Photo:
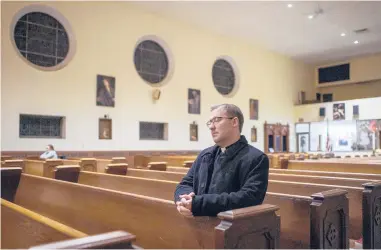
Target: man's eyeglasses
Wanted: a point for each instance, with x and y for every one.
(216, 119)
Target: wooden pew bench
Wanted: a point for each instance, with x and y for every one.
(41, 168)
(294, 210)
(23, 228)
(156, 222)
(340, 181)
(86, 164)
(326, 173)
(335, 165)
(13, 164)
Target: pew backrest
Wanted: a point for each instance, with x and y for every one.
(23, 228)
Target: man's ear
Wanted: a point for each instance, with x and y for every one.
(235, 122)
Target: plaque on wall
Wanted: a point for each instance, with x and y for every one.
(193, 132)
(105, 129)
(253, 134)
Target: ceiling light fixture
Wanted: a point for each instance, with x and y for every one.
(310, 16)
(289, 5)
(342, 34)
(356, 42)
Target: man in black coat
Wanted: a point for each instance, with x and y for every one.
(229, 175)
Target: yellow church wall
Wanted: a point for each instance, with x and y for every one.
(106, 34)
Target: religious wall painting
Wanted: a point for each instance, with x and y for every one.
(253, 134)
(339, 111)
(105, 95)
(194, 101)
(105, 129)
(193, 132)
(253, 109)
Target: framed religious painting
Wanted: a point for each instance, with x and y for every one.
(339, 111)
(105, 91)
(253, 109)
(194, 101)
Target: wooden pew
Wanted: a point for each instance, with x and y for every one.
(330, 165)
(86, 164)
(155, 221)
(297, 188)
(152, 174)
(326, 173)
(6, 157)
(22, 228)
(293, 226)
(41, 168)
(112, 240)
(12, 164)
(117, 168)
(340, 181)
(355, 196)
(160, 166)
(177, 169)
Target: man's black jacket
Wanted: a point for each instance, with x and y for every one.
(240, 180)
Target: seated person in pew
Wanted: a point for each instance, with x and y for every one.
(229, 175)
(50, 153)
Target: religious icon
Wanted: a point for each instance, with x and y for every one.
(105, 129)
(338, 111)
(193, 130)
(253, 109)
(194, 99)
(105, 91)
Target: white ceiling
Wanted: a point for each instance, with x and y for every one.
(287, 30)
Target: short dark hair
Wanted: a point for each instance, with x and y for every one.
(51, 146)
(233, 111)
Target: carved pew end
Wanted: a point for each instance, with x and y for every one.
(188, 164)
(67, 173)
(112, 240)
(262, 221)
(117, 168)
(330, 221)
(160, 166)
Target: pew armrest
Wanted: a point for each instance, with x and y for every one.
(113, 240)
(67, 173)
(117, 168)
(250, 227)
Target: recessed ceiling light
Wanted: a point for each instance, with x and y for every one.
(310, 16)
(342, 34)
(289, 5)
(356, 42)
